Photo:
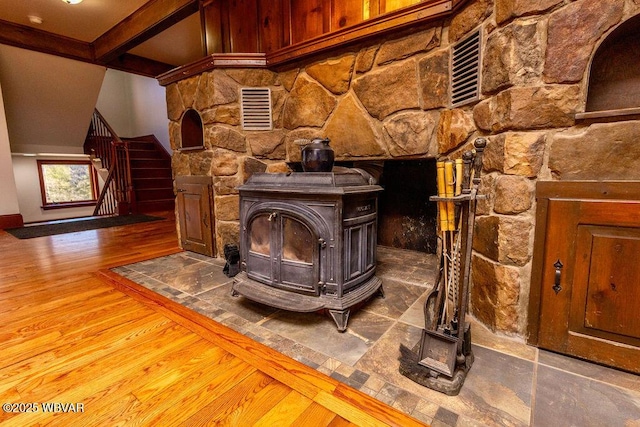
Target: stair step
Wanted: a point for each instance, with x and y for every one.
(150, 163)
(154, 194)
(139, 153)
(143, 183)
(141, 145)
(138, 173)
(156, 206)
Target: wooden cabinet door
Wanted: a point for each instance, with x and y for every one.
(589, 283)
(195, 214)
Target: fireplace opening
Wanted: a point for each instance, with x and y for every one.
(406, 217)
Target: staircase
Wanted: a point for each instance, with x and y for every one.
(136, 172)
(150, 174)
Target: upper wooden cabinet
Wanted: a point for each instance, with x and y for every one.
(273, 33)
(287, 29)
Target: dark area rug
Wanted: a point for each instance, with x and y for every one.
(50, 229)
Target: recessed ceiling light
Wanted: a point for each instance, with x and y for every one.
(34, 19)
(72, 1)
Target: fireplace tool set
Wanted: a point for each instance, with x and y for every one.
(443, 356)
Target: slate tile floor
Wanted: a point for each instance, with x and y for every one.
(510, 383)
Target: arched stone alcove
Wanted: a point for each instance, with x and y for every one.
(191, 131)
(614, 80)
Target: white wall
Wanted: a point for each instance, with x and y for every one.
(25, 170)
(149, 107)
(134, 106)
(113, 102)
(8, 192)
(48, 100)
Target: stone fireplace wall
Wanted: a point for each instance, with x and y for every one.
(389, 99)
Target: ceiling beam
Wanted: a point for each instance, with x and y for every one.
(43, 41)
(37, 40)
(148, 21)
(139, 65)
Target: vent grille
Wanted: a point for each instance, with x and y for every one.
(465, 70)
(256, 108)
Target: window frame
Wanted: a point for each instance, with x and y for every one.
(93, 176)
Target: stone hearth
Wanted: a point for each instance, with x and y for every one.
(365, 356)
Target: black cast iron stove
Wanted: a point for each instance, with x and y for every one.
(308, 241)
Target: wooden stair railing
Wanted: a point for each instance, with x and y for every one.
(117, 196)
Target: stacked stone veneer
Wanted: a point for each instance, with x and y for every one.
(389, 100)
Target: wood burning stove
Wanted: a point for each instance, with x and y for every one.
(308, 241)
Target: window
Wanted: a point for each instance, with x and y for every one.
(67, 183)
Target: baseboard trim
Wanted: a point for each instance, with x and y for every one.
(11, 221)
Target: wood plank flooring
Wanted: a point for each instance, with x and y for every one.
(71, 332)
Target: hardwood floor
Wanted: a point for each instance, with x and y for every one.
(71, 332)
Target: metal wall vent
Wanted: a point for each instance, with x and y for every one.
(255, 108)
(465, 70)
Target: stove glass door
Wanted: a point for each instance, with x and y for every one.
(259, 262)
(296, 268)
(282, 250)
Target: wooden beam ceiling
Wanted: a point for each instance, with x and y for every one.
(139, 65)
(43, 41)
(148, 21)
(110, 48)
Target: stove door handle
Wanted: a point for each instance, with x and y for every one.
(322, 242)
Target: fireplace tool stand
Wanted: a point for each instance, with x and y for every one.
(443, 356)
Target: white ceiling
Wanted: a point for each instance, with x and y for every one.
(85, 21)
(177, 45)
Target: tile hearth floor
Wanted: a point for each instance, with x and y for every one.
(509, 384)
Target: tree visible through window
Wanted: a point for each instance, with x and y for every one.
(66, 183)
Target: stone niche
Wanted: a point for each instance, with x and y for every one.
(389, 100)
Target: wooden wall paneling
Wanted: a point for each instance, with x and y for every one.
(272, 25)
(309, 19)
(286, 17)
(425, 11)
(387, 6)
(373, 6)
(326, 16)
(243, 26)
(214, 27)
(346, 13)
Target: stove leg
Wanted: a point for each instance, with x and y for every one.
(341, 317)
(381, 292)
